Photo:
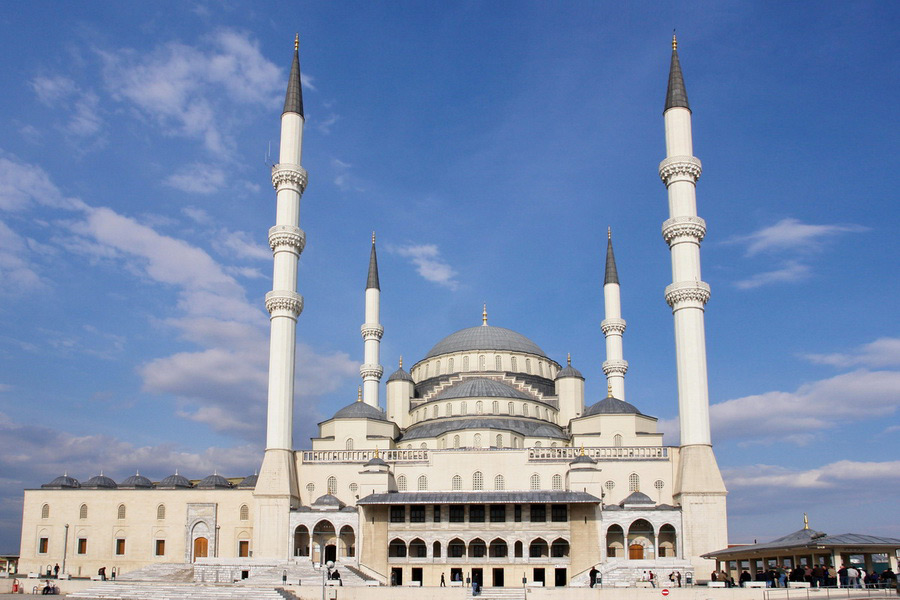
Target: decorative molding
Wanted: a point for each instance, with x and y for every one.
(615, 366)
(287, 235)
(687, 291)
(371, 331)
(609, 326)
(287, 175)
(284, 300)
(677, 227)
(680, 168)
(368, 371)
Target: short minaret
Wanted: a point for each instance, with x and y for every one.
(613, 326)
(276, 489)
(371, 369)
(698, 485)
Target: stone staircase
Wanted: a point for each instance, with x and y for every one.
(497, 593)
(303, 572)
(171, 572)
(151, 590)
(629, 573)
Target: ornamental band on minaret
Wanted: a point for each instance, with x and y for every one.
(698, 485)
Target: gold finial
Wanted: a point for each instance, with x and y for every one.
(359, 393)
(674, 41)
(582, 449)
(376, 451)
(609, 390)
(609, 233)
(401, 361)
(805, 521)
(569, 359)
(297, 41)
(373, 238)
(484, 315)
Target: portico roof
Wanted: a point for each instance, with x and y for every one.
(536, 497)
(806, 540)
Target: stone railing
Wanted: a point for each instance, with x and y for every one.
(547, 454)
(599, 453)
(362, 456)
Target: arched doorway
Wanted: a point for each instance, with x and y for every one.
(201, 547)
(200, 543)
(641, 540)
(667, 540)
(348, 542)
(325, 540)
(301, 541)
(615, 542)
(635, 552)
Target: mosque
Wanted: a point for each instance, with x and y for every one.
(485, 461)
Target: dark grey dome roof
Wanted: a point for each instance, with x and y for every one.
(480, 387)
(583, 459)
(136, 481)
(248, 482)
(569, 371)
(100, 482)
(174, 481)
(375, 460)
(612, 406)
(213, 482)
(328, 500)
(637, 498)
(63, 481)
(400, 375)
(525, 427)
(485, 337)
(360, 410)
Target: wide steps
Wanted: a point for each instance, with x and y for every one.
(498, 593)
(128, 590)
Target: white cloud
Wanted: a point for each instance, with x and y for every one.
(64, 95)
(239, 244)
(429, 264)
(198, 215)
(883, 352)
(791, 234)
(791, 272)
(23, 186)
(343, 179)
(326, 125)
(17, 274)
(197, 178)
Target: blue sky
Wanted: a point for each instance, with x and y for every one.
(490, 144)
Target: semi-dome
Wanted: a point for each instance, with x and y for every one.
(583, 459)
(612, 406)
(485, 337)
(480, 387)
(63, 481)
(136, 481)
(248, 482)
(376, 461)
(360, 410)
(99, 482)
(174, 482)
(213, 482)
(328, 500)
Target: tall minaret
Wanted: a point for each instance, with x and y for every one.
(371, 370)
(613, 326)
(698, 486)
(276, 489)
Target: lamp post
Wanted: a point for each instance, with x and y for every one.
(65, 547)
(328, 566)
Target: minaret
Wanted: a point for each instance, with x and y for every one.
(613, 326)
(371, 370)
(276, 489)
(698, 485)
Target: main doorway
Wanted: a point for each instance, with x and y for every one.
(478, 576)
(201, 547)
(330, 552)
(498, 578)
(636, 552)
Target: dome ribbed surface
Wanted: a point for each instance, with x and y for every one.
(400, 375)
(612, 406)
(485, 337)
(174, 481)
(328, 500)
(375, 460)
(569, 371)
(213, 482)
(63, 481)
(360, 410)
(100, 482)
(248, 482)
(637, 498)
(482, 388)
(136, 482)
(583, 459)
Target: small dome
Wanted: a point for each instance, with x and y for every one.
(100, 482)
(376, 461)
(136, 481)
(175, 481)
(400, 375)
(583, 459)
(213, 482)
(637, 498)
(485, 337)
(328, 501)
(360, 410)
(63, 481)
(248, 482)
(569, 371)
(612, 406)
(482, 388)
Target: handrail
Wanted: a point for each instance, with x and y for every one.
(534, 454)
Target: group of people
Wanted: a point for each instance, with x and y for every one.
(648, 576)
(817, 576)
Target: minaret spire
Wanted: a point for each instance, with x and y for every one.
(676, 94)
(293, 98)
(371, 369)
(613, 326)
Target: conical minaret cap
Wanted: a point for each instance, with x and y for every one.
(612, 275)
(676, 94)
(372, 281)
(293, 99)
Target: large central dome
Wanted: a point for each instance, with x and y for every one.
(485, 337)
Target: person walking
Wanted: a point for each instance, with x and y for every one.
(443, 583)
(592, 574)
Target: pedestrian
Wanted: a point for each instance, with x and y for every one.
(652, 579)
(678, 577)
(56, 571)
(443, 583)
(592, 574)
(393, 579)
(102, 573)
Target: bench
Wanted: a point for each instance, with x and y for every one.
(754, 584)
(798, 584)
(716, 584)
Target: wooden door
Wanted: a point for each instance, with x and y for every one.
(636, 552)
(201, 548)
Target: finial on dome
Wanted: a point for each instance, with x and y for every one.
(376, 452)
(582, 449)
(569, 359)
(296, 41)
(805, 521)
(674, 41)
(401, 361)
(359, 393)
(484, 315)
(609, 233)
(373, 237)
(609, 390)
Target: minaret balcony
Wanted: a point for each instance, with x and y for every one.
(612, 326)
(284, 301)
(680, 168)
(289, 176)
(687, 294)
(370, 331)
(288, 237)
(618, 367)
(683, 229)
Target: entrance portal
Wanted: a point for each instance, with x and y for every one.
(201, 548)
(636, 552)
(498, 578)
(477, 576)
(559, 579)
(330, 552)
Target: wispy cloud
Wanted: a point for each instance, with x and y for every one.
(197, 178)
(429, 264)
(791, 272)
(343, 178)
(81, 107)
(883, 352)
(24, 185)
(17, 273)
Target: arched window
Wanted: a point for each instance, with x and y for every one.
(634, 483)
(481, 363)
(437, 367)
(121, 512)
(477, 481)
(349, 444)
(553, 444)
(557, 482)
(456, 441)
(401, 483)
(423, 446)
(310, 487)
(499, 440)
(161, 512)
(463, 409)
(512, 362)
(538, 444)
(535, 481)
(540, 368)
(511, 408)
(659, 485)
(332, 485)
(245, 513)
(617, 440)
(456, 485)
(498, 483)
(495, 408)
(450, 366)
(423, 483)
(45, 511)
(477, 440)
(82, 512)
(409, 446)
(448, 410)
(528, 366)
(426, 370)
(609, 485)
(434, 411)
(479, 407)
(498, 363)
(465, 363)
(524, 410)
(353, 488)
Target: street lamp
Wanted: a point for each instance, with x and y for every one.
(65, 548)
(328, 565)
